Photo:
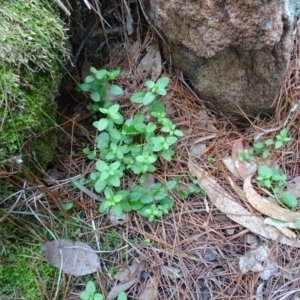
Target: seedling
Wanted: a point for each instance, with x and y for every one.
(90, 292)
(281, 138)
(270, 178)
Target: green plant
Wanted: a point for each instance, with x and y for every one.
(193, 187)
(281, 138)
(90, 292)
(262, 147)
(131, 146)
(270, 178)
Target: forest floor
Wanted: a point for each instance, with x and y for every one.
(196, 251)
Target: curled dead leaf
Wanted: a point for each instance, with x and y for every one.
(236, 212)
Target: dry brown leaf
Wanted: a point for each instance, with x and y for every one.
(266, 207)
(225, 203)
(74, 258)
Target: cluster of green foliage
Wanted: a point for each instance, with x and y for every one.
(270, 177)
(130, 146)
(90, 293)
(263, 147)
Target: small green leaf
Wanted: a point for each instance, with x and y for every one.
(100, 185)
(258, 147)
(114, 134)
(89, 79)
(157, 107)
(289, 199)
(126, 206)
(117, 210)
(297, 224)
(104, 206)
(101, 73)
(148, 98)
(138, 97)
(278, 144)
(84, 295)
(269, 142)
(113, 74)
(67, 205)
(171, 140)
(265, 154)
(170, 184)
(85, 87)
(283, 132)
(167, 154)
(101, 124)
(149, 84)
(115, 89)
(122, 296)
(163, 82)
(90, 287)
(150, 127)
(114, 181)
(146, 199)
(98, 296)
(178, 133)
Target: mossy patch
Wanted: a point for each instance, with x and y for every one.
(32, 49)
(22, 268)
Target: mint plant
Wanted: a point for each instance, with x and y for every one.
(270, 178)
(131, 146)
(90, 292)
(263, 147)
(281, 138)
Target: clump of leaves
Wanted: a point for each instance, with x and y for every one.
(90, 292)
(130, 147)
(264, 147)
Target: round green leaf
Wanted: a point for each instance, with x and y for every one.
(148, 98)
(95, 96)
(137, 97)
(122, 296)
(163, 82)
(90, 287)
(101, 124)
(170, 185)
(117, 210)
(115, 89)
(104, 206)
(98, 296)
(85, 87)
(149, 84)
(289, 199)
(114, 181)
(89, 79)
(297, 224)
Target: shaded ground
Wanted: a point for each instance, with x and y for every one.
(190, 253)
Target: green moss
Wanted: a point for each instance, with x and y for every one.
(32, 45)
(21, 267)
